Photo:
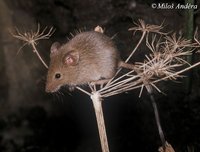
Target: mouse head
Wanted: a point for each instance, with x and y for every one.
(63, 67)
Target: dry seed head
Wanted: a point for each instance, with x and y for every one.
(142, 26)
(174, 42)
(32, 37)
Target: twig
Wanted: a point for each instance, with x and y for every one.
(38, 55)
(157, 117)
(136, 47)
(89, 94)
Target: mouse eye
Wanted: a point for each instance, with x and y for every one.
(57, 75)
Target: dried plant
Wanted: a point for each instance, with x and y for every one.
(31, 38)
(165, 61)
(142, 26)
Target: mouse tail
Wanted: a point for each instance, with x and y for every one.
(122, 64)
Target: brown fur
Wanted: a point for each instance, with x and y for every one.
(97, 59)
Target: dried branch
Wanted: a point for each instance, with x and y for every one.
(31, 38)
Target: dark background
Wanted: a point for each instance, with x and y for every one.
(34, 121)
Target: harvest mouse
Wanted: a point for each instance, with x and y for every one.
(88, 57)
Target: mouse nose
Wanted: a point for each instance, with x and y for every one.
(49, 88)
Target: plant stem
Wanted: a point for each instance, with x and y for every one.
(136, 47)
(189, 27)
(84, 91)
(97, 103)
(39, 56)
(156, 113)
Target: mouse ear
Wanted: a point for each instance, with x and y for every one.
(54, 47)
(71, 58)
